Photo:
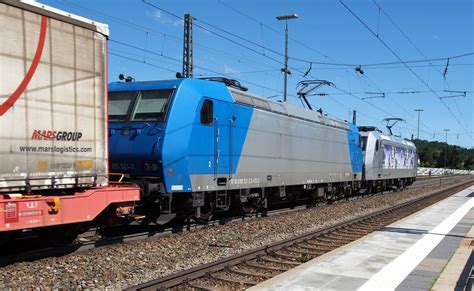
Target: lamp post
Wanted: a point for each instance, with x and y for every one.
(446, 150)
(418, 132)
(285, 69)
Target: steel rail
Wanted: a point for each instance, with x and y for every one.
(203, 270)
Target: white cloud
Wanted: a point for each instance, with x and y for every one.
(178, 23)
(157, 14)
(230, 70)
(163, 19)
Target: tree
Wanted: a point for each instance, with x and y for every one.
(432, 154)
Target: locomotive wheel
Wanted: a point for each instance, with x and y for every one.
(250, 207)
(247, 208)
(205, 213)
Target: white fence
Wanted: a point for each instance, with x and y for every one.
(440, 171)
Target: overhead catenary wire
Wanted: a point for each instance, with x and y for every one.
(340, 63)
(337, 63)
(443, 74)
(141, 61)
(382, 63)
(150, 30)
(401, 60)
(399, 92)
(225, 37)
(220, 35)
(274, 29)
(145, 29)
(394, 67)
(203, 68)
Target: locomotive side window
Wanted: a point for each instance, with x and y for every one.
(206, 112)
(377, 146)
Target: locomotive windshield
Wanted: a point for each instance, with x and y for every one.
(119, 103)
(141, 105)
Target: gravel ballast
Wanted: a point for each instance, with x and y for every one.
(121, 265)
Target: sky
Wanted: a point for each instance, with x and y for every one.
(241, 39)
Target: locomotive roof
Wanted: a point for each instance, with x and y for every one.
(390, 138)
(144, 85)
(286, 109)
(36, 7)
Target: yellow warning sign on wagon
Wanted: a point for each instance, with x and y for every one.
(42, 166)
(84, 164)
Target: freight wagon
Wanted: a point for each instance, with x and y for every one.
(53, 119)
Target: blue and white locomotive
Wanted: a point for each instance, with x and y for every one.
(199, 146)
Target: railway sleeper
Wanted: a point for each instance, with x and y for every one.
(235, 269)
(353, 234)
(277, 260)
(323, 246)
(269, 263)
(208, 283)
(228, 277)
(304, 250)
(340, 237)
(355, 229)
(380, 219)
(255, 264)
(361, 228)
(328, 240)
(288, 254)
(315, 247)
(372, 225)
(192, 286)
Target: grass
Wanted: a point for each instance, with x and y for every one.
(303, 258)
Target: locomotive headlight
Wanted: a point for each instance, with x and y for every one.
(146, 167)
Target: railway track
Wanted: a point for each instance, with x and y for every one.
(252, 267)
(92, 239)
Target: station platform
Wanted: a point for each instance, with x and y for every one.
(431, 248)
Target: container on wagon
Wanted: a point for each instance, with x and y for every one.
(53, 94)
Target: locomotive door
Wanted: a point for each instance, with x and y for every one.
(379, 154)
(223, 143)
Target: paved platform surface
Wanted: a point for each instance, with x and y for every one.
(410, 254)
(459, 268)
